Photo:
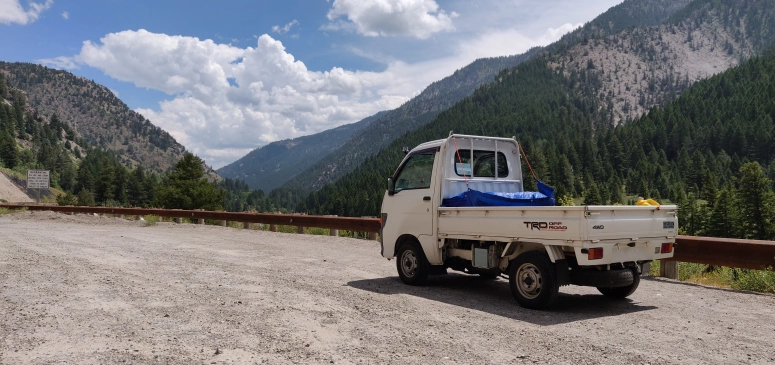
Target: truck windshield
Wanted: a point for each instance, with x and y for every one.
(416, 173)
(484, 164)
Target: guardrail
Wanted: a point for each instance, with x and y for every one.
(370, 225)
(736, 253)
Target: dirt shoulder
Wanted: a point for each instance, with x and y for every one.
(10, 192)
(88, 290)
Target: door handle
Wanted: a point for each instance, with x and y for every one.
(426, 198)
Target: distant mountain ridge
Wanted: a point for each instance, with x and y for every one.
(413, 114)
(322, 160)
(270, 166)
(96, 114)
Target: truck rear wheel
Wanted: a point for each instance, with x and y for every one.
(622, 291)
(533, 280)
(413, 267)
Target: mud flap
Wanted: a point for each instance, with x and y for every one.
(563, 274)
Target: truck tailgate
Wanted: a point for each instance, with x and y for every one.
(579, 223)
(632, 222)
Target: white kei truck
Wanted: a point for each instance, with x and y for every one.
(540, 248)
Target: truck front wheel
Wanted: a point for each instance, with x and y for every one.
(413, 267)
(533, 280)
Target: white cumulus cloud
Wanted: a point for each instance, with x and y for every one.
(416, 18)
(228, 100)
(65, 15)
(11, 11)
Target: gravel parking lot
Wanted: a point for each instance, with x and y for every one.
(97, 290)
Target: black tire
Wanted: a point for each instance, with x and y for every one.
(533, 280)
(622, 292)
(413, 268)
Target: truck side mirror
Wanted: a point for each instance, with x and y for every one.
(391, 186)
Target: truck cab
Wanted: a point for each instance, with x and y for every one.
(538, 246)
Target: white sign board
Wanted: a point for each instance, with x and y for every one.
(37, 179)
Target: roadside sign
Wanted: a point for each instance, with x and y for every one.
(37, 179)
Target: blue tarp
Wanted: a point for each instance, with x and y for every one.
(472, 198)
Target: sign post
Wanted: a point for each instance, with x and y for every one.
(37, 179)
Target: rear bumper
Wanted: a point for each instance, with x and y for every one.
(624, 251)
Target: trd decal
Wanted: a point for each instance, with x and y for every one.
(546, 226)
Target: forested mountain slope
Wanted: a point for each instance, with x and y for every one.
(270, 166)
(30, 139)
(95, 113)
(687, 150)
(647, 66)
(629, 14)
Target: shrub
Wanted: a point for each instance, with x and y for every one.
(151, 220)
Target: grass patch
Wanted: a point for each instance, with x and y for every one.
(318, 231)
(11, 211)
(13, 173)
(151, 220)
(761, 281)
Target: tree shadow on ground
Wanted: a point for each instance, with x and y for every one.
(494, 297)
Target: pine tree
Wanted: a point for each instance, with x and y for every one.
(722, 221)
(9, 154)
(186, 187)
(85, 198)
(592, 195)
(709, 190)
(105, 184)
(755, 202)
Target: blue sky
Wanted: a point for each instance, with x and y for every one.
(225, 77)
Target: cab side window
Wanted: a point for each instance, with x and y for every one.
(416, 173)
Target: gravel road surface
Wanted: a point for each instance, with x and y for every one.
(96, 290)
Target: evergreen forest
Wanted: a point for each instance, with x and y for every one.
(710, 151)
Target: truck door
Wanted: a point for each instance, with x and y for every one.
(411, 207)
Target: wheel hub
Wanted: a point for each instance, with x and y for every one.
(529, 281)
(409, 263)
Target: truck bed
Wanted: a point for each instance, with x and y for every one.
(577, 227)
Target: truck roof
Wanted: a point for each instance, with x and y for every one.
(439, 142)
(430, 144)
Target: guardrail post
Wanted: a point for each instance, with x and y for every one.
(373, 236)
(245, 225)
(223, 223)
(333, 231)
(273, 227)
(178, 220)
(668, 269)
(137, 217)
(301, 230)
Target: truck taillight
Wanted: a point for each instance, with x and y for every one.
(595, 253)
(667, 248)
